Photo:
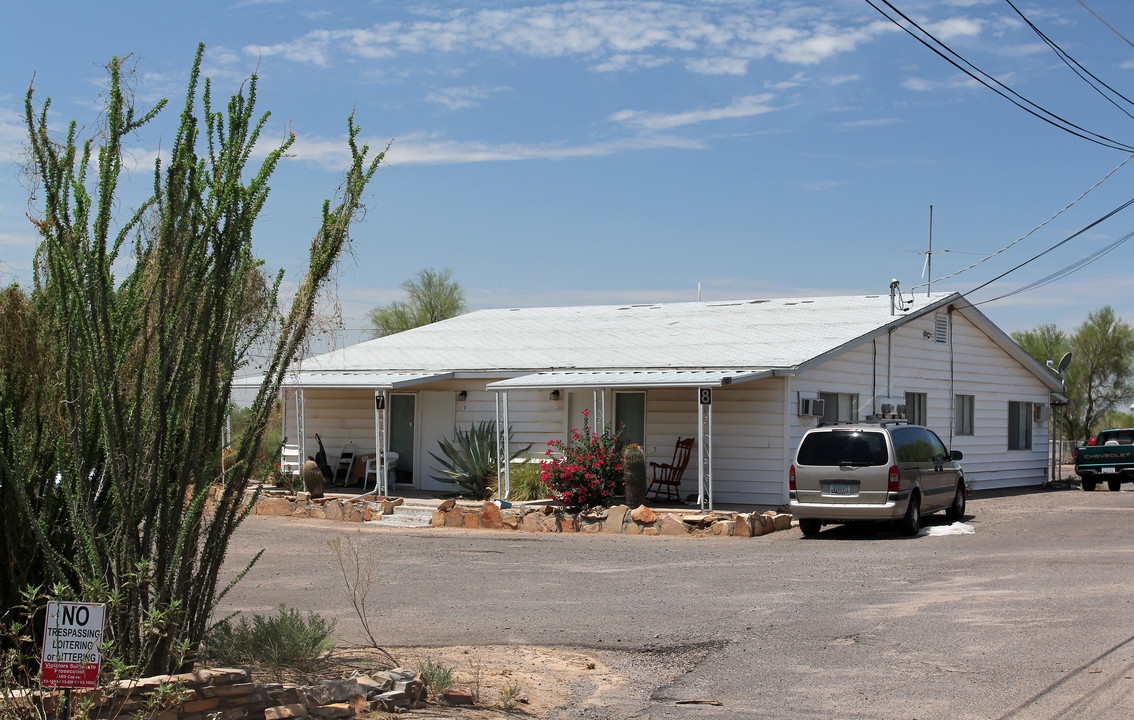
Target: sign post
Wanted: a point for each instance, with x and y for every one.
(72, 638)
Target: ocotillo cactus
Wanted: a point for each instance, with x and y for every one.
(634, 474)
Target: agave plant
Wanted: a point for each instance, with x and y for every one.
(470, 459)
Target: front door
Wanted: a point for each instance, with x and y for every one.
(403, 428)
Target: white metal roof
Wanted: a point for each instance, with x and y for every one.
(748, 334)
(626, 378)
(377, 381)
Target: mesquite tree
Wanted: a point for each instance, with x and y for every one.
(143, 355)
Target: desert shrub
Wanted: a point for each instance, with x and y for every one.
(526, 483)
(437, 678)
(287, 640)
(470, 459)
(589, 469)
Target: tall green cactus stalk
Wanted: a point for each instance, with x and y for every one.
(634, 474)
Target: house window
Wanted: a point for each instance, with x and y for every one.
(963, 420)
(630, 417)
(839, 407)
(1019, 426)
(916, 408)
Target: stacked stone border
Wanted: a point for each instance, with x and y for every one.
(618, 520)
(230, 694)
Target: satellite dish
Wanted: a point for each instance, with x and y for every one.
(1064, 362)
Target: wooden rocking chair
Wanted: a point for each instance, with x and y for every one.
(667, 476)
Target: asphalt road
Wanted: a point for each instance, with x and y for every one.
(1030, 616)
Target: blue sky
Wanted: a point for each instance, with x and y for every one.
(609, 152)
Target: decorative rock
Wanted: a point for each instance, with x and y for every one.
(550, 524)
(510, 521)
(389, 701)
(532, 522)
(569, 524)
(643, 515)
(334, 710)
(650, 530)
(316, 512)
(592, 528)
(453, 696)
(490, 518)
(767, 522)
(615, 517)
(333, 510)
(699, 519)
(454, 518)
(273, 506)
(782, 521)
(472, 520)
(633, 528)
(671, 525)
(302, 496)
(594, 514)
(438, 518)
(280, 712)
(742, 525)
(448, 504)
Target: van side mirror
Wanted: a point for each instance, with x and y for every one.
(956, 455)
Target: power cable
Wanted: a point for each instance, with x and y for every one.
(1066, 240)
(1030, 232)
(968, 68)
(1075, 66)
(1104, 22)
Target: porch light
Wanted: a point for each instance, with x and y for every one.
(554, 395)
(462, 396)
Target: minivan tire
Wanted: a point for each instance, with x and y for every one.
(956, 511)
(810, 527)
(911, 523)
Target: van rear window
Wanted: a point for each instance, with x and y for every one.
(843, 447)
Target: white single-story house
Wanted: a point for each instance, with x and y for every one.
(746, 378)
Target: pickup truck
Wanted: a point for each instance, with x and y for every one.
(1109, 457)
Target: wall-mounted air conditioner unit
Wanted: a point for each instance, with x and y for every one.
(811, 407)
(1040, 413)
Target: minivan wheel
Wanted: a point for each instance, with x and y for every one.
(810, 526)
(911, 523)
(956, 511)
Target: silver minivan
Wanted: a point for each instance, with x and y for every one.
(884, 471)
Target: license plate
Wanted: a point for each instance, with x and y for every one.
(841, 489)
(1108, 470)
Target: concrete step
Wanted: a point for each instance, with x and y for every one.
(407, 516)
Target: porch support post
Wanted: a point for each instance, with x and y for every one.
(382, 463)
(301, 425)
(503, 457)
(705, 448)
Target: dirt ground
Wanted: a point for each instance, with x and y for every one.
(540, 680)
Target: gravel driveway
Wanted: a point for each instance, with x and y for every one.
(1029, 616)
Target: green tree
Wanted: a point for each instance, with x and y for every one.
(114, 466)
(433, 296)
(1101, 373)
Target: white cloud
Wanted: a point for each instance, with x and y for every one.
(422, 149)
(872, 123)
(738, 108)
(609, 35)
(458, 98)
(954, 28)
(918, 84)
(822, 185)
(717, 66)
(20, 240)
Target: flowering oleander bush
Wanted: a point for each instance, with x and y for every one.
(589, 470)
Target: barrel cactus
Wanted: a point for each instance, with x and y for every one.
(312, 479)
(634, 474)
